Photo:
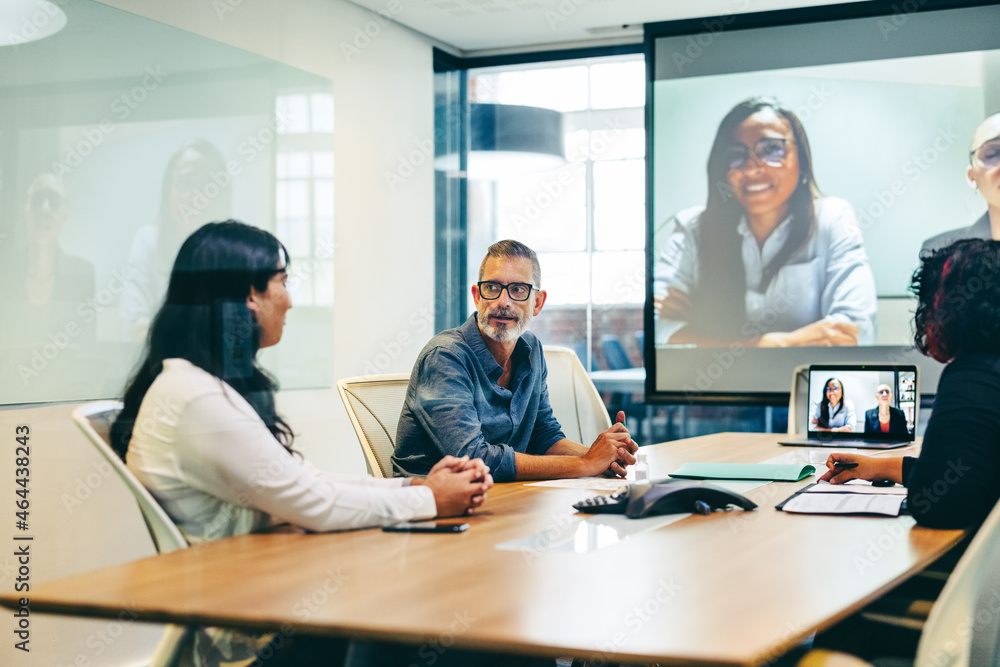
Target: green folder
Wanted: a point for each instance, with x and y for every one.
(772, 472)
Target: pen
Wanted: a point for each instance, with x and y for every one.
(845, 465)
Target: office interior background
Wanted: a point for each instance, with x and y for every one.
(323, 115)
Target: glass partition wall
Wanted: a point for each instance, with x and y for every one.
(120, 137)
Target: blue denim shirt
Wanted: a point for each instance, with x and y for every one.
(455, 406)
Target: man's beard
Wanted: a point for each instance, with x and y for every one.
(503, 332)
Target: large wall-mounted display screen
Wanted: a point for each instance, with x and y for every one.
(800, 163)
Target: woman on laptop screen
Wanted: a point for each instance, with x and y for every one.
(767, 261)
(833, 412)
(953, 483)
(885, 419)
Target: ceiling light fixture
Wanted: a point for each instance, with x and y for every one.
(23, 21)
(509, 140)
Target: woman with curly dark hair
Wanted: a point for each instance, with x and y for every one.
(955, 481)
(767, 260)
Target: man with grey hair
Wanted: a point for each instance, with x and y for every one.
(480, 390)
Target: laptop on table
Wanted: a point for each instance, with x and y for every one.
(859, 385)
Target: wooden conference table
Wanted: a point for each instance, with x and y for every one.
(731, 588)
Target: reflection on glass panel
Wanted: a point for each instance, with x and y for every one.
(323, 198)
(322, 112)
(615, 85)
(323, 248)
(104, 184)
(619, 277)
(298, 199)
(561, 88)
(298, 165)
(616, 143)
(295, 235)
(324, 283)
(293, 111)
(323, 164)
(546, 211)
(565, 277)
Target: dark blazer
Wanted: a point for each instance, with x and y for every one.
(897, 422)
(979, 230)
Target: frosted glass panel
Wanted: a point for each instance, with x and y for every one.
(120, 137)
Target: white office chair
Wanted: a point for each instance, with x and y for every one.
(798, 401)
(95, 420)
(373, 403)
(963, 628)
(575, 401)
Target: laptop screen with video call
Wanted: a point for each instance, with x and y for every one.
(861, 386)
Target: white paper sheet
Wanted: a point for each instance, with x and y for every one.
(844, 503)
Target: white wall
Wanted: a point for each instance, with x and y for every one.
(384, 108)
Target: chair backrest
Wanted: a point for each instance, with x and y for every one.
(798, 401)
(575, 400)
(614, 352)
(374, 403)
(95, 420)
(964, 625)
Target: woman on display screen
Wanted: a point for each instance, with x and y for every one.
(953, 482)
(200, 431)
(767, 261)
(834, 411)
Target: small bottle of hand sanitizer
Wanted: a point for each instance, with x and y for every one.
(641, 467)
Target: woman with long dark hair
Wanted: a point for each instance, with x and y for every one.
(954, 481)
(833, 411)
(199, 426)
(767, 261)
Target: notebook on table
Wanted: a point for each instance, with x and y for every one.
(858, 384)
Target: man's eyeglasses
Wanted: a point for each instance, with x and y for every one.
(490, 290)
(884, 391)
(40, 198)
(769, 150)
(987, 155)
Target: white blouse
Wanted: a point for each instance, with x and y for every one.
(215, 468)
